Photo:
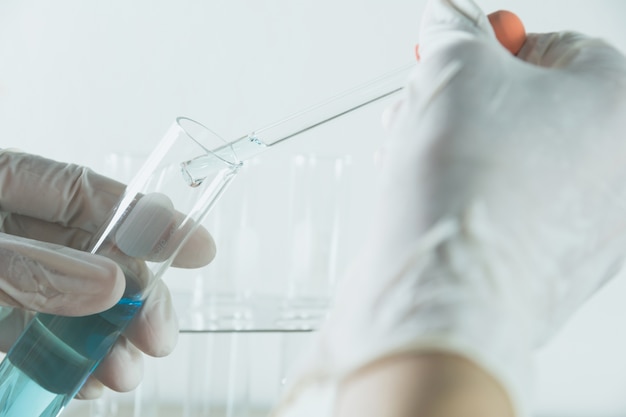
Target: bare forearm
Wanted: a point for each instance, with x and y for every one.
(422, 385)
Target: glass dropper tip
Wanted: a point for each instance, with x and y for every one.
(195, 170)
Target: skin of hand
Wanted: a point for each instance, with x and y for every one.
(424, 385)
(50, 212)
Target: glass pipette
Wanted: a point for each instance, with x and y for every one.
(303, 121)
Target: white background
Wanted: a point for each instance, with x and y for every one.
(81, 79)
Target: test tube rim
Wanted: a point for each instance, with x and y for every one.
(235, 161)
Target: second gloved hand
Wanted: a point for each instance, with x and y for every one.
(501, 207)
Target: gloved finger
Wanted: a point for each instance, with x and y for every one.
(448, 22)
(55, 279)
(45, 231)
(122, 369)
(198, 251)
(154, 330)
(390, 114)
(389, 118)
(456, 30)
(508, 29)
(91, 389)
(573, 51)
(154, 230)
(67, 194)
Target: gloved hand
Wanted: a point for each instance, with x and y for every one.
(49, 213)
(500, 207)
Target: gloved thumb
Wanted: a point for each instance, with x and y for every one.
(447, 22)
(54, 279)
(573, 51)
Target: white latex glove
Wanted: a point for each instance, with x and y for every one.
(49, 213)
(501, 207)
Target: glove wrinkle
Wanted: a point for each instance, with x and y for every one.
(33, 289)
(66, 194)
(73, 194)
(155, 329)
(32, 228)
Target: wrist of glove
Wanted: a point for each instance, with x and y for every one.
(499, 209)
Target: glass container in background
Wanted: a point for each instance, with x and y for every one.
(220, 296)
(210, 374)
(317, 206)
(280, 249)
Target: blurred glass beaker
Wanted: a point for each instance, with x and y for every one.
(222, 291)
(317, 206)
(122, 166)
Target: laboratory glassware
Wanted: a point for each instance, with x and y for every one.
(317, 204)
(158, 213)
(310, 118)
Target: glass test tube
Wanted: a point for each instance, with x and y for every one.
(158, 213)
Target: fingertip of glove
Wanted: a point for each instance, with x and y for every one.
(91, 389)
(112, 280)
(155, 329)
(101, 287)
(122, 369)
(198, 251)
(463, 15)
(508, 28)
